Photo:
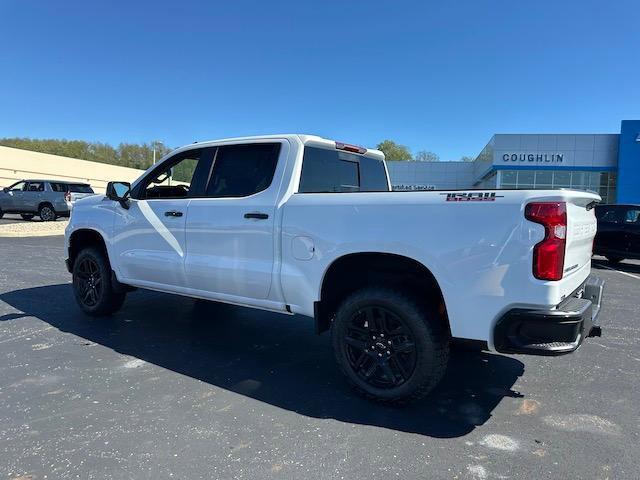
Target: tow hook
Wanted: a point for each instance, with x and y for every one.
(595, 331)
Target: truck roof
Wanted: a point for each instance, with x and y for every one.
(304, 138)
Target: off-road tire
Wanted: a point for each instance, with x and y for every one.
(91, 267)
(429, 333)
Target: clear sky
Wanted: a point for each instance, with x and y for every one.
(441, 76)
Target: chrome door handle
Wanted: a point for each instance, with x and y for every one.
(172, 213)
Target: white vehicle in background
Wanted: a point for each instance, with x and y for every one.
(299, 224)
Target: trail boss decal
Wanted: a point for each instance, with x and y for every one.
(472, 196)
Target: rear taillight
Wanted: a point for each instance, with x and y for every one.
(548, 255)
(350, 148)
(67, 197)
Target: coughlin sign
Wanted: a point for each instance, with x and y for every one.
(533, 157)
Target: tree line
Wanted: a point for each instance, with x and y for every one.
(140, 156)
(396, 152)
(131, 155)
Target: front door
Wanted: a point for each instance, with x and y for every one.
(611, 237)
(230, 230)
(149, 236)
(13, 199)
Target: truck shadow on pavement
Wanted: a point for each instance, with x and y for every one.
(623, 266)
(273, 358)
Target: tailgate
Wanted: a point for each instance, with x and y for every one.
(581, 230)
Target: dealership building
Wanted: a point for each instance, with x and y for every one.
(608, 164)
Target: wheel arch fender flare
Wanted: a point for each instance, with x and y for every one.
(83, 237)
(351, 271)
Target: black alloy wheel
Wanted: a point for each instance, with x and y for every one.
(390, 344)
(380, 347)
(92, 283)
(88, 282)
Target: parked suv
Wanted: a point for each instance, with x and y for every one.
(49, 199)
(618, 234)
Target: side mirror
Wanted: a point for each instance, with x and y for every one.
(119, 192)
(5, 189)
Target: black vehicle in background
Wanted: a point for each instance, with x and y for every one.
(618, 234)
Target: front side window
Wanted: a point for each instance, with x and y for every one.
(325, 170)
(18, 187)
(172, 180)
(632, 216)
(242, 170)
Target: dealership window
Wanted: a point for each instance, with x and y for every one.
(603, 183)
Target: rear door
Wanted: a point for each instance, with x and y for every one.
(230, 229)
(32, 196)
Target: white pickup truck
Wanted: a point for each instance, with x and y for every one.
(298, 224)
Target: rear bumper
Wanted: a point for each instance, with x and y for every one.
(554, 331)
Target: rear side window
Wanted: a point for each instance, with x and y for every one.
(58, 187)
(608, 214)
(36, 187)
(242, 170)
(80, 188)
(325, 171)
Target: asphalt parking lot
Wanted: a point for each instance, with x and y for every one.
(172, 388)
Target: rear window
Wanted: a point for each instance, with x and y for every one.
(325, 171)
(80, 188)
